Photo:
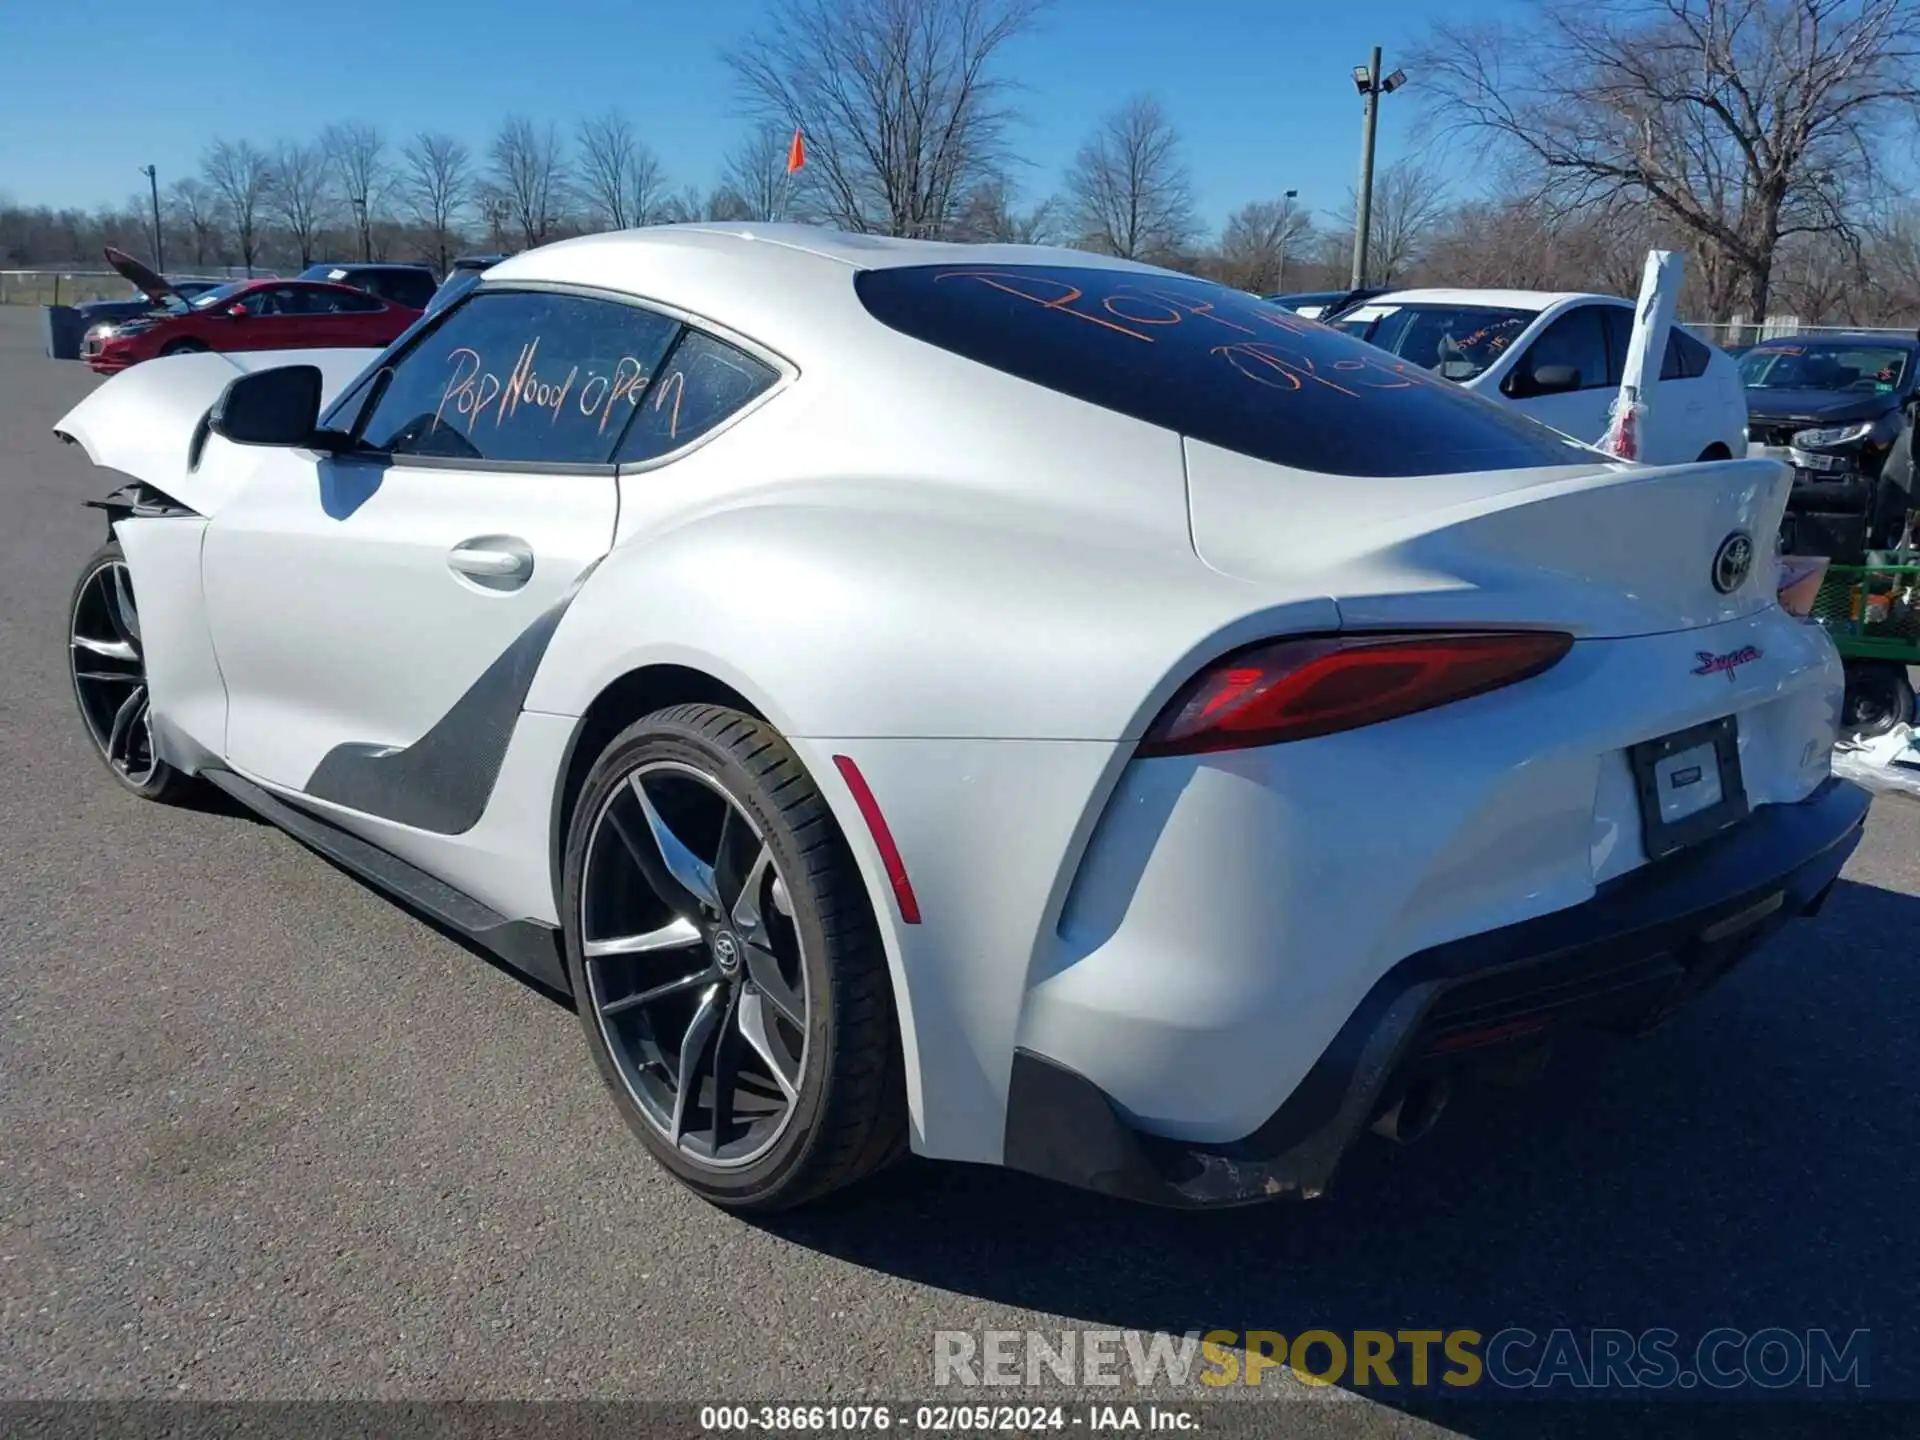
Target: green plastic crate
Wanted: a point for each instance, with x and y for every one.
(1841, 610)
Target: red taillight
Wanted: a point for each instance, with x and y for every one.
(1296, 689)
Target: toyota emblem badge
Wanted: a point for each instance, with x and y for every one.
(1733, 562)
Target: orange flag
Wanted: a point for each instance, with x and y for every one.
(796, 153)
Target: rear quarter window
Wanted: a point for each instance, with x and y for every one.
(703, 382)
(1212, 363)
(1686, 357)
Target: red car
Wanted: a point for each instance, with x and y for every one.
(245, 315)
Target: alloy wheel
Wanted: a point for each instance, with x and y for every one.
(110, 672)
(694, 967)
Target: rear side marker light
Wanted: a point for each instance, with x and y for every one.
(896, 868)
(1296, 689)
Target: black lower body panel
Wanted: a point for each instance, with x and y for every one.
(1645, 944)
(535, 950)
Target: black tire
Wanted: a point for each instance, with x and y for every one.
(848, 1116)
(1715, 451)
(1879, 699)
(185, 347)
(106, 685)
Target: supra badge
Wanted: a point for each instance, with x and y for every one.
(1711, 664)
(1733, 562)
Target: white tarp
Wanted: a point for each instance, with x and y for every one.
(1659, 298)
(1887, 764)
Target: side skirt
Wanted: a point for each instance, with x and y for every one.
(535, 950)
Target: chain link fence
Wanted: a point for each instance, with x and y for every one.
(76, 286)
(1740, 332)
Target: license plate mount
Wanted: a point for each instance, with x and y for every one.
(1689, 785)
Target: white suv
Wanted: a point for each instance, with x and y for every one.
(1557, 357)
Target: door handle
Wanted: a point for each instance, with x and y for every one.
(471, 560)
(498, 562)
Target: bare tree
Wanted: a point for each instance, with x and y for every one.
(528, 171)
(899, 101)
(728, 205)
(1893, 262)
(1260, 238)
(620, 178)
(1822, 280)
(238, 174)
(756, 172)
(297, 195)
(1742, 121)
(646, 186)
(194, 210)
(436, 183)
(682, 207)
(358, 154)
(990, 216)
(649, 189)
(1130, 190)
(1409, 200)
(605, 146)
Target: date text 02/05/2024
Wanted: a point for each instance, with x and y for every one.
(942, 1419)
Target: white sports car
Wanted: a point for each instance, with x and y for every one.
(1034, 708)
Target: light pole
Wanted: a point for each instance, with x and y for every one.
(1286, 220)
(153, 189)
(360, 217)
(1366, 79)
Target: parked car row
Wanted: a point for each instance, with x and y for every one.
(1840, 408)
(346, 304)
(241, 315)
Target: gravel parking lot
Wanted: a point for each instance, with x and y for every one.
(262, 1135)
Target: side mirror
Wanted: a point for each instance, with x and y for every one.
(238, 310)
(1552, 380)
(269, 407)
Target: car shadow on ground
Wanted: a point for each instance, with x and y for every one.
(1750, 1165)
(205, 799)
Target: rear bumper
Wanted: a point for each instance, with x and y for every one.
(1643, 945)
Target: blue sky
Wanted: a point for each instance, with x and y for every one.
(1259, 89)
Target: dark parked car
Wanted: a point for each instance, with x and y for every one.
(1839, 408)
(464, 275)
(405, 282)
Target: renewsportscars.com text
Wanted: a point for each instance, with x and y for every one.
(1514, 1358)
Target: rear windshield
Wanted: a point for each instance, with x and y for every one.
(1215, 364)
(1454, 341)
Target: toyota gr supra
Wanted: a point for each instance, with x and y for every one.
(1003, 703)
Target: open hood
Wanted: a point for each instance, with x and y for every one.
(155, 287)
